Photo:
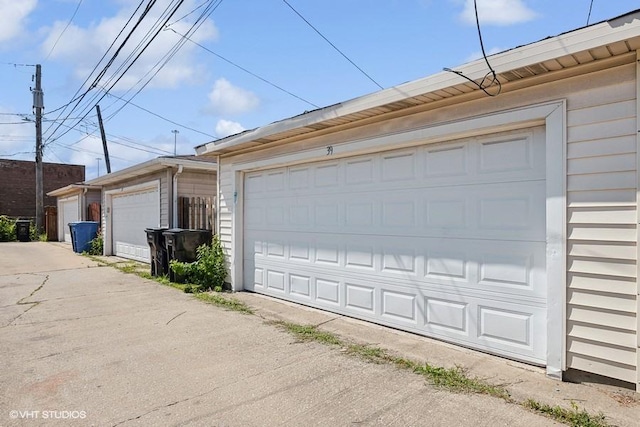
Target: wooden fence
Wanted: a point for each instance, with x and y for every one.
(197, 213)
(51, 223)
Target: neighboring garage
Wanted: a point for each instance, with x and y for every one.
(503, 223)
(68, 211)
(133, 210)
(72, 205)
(146, 196)
(445, 239)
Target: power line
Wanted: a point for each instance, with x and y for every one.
(65, 29)
(130, 63)
(245, 70)
(589, 15)
(492, 73)
(78, 98)
(332, 45)
(162, 62)
(161, 117)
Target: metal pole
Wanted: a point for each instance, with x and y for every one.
(38, 105)
(175, 138)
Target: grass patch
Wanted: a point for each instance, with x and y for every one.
(307, 333)
(220, 301)
(453, 379)
(574, 417)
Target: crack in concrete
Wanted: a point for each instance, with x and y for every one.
(31, 303)
(168, 405)
(175, 317)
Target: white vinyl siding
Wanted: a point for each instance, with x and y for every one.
(602, 228)
(197, 184)
(601, 203)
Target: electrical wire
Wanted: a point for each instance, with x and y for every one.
(332, 45)
(162, 117)
(130, 63)
(162, 62)
(589, 15)
(77, 97)
(245, 70)
(63, 31)
(491, 77)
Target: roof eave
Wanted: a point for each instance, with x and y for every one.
(618, 29)
(151, 166)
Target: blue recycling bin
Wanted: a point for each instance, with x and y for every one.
(82, 233)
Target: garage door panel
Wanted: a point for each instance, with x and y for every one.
(508, 211)
(447, 240)
(515, 330)
(477, 266)
(69, 214)
(132, 212)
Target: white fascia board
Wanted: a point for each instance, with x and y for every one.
(151, 166)
(615, 30)
(189, 164)
(71, 189)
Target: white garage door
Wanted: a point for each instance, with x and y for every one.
(444, 240)
(69, 211)
(131, 214)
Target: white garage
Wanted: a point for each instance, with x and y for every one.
(447, 240)
(68, 212)
(132, 212)
(504, 223)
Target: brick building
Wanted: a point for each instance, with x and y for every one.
(18, 185)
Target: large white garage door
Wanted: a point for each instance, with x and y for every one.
(131, 214)
(444, 240)
(69, 211)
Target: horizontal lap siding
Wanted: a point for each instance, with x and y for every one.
(602, 228)
(197, 184)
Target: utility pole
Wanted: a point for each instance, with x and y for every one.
(104, 142)
(175, 133)
(38, 106)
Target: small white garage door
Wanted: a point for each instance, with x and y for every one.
(445, 240)
(69, 212)
(131, 213)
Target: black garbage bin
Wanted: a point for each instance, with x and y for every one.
(181, 245)
(22, 230)
(159, 259)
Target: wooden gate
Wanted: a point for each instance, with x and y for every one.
(197, 213)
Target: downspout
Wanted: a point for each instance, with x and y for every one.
(217, 221)
(175, 197)
(83, 204)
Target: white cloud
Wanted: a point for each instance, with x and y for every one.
(84, 46)
(478, 54)
(227, 127)
(229, 99)
(498, 12)
(13, 14)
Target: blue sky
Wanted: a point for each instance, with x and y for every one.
(392, 41)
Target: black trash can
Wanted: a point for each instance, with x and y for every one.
(181, 245)
(159, 259)
(22, 230)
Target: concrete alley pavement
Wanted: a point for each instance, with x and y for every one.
(84, 344)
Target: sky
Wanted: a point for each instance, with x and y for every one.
(245, 64)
